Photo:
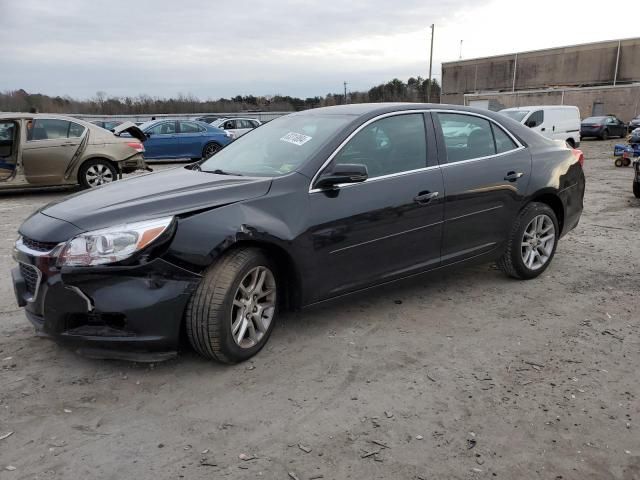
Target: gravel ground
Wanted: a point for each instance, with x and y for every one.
(466, 375)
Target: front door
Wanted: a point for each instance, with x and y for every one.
(486, 173)
(51, 145)
(9, 143)
(163, 141)
(388, 226)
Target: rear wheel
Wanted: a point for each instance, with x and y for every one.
(532, 242)
(605, 135)
(626, 161)
(618, 162)
(232, 312)
(96, 172)
(571, 143)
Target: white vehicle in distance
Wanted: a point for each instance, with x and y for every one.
(236, 126)
(557, 122)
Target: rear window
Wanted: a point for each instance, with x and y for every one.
(594, 120)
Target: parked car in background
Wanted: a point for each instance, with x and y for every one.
(39, 150)
(237, 126)
(556, 122)
(208, 118)
(173, 139)
(107, 124)
(309, 207)
(634, 123)
(634, 136)
(603, 127)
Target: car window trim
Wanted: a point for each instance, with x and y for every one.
(446, 162)
(327, 162)
(34, 120)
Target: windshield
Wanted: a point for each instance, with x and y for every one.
(277, 147)
(594, 120)
(517, 115)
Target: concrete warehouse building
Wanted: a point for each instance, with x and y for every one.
(598, 78)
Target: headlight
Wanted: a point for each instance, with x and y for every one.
(111, 244)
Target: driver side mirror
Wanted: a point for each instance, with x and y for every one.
(343, 173)
(148, 134)
(531, 123)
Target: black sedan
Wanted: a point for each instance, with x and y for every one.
(309, 207)
(603, 127)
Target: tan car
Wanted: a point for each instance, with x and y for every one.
(38, 150)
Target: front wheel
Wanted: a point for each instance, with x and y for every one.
(605, 135)
(232, 312)
(96, 172)
(210, 149)
(532, 242)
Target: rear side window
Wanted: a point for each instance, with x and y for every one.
(75, 130)
(503, 141)
(390, 145)
(467, 137)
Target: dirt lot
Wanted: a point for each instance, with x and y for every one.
(470, 375)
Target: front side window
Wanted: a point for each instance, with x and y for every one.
(48, 129)
(229, 125)
(390, 145)
(467, 137)
(189, 127)
(165, 128)
(535, 119)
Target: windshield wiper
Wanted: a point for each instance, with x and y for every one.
(218, 171)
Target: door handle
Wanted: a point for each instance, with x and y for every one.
(425, 197)
(513, 176)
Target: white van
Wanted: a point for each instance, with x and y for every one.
(558, 122)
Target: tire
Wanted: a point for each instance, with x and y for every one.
(626, 161)
(571, 143)
(96, 172)
(605, 135)
(512, 261)
(636, 189)
(213, 309)
(210, 149)
(618, 162)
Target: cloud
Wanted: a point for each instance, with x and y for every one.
(222, 48)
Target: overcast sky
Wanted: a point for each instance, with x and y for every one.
(221, 48)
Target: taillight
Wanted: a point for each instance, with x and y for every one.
(578, 155)
(137, 146)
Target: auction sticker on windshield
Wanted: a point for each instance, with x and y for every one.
(296, 138)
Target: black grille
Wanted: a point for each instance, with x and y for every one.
(38, 246)
(31, 277)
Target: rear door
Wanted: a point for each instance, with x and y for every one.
(388, 226)
(191, 141)
(485, 182)
(244, 126)
(163, 141)
(51, 145)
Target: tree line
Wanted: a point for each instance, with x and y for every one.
(414, 90)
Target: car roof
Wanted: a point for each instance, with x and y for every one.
(34, 116)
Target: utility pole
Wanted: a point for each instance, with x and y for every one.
(345, 93)
(430, 64)
(460, 57)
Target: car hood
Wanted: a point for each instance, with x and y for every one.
(130, 128)
(170, 192)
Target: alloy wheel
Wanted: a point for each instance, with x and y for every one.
(210, 149)
(99, 174)
(538, 242)
(253, 307)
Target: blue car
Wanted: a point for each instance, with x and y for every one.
(170, 139)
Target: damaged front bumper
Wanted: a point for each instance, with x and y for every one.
(121, 312)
